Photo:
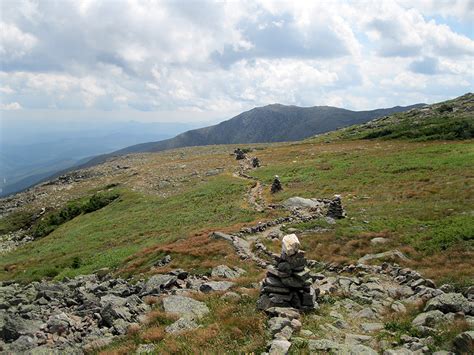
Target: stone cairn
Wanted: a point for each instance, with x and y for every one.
(335, 209)
(276, 185)
(239, 154)
(288, 284)
(255, 162)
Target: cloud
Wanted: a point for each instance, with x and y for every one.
(10, 106)
(14, 43)
(162, 56)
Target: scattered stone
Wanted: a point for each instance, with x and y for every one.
(428, 319)
(300, 202)
(279, 347)
(145, 349)
(464, 343)
(391, 254)
(157, 283)
(371, 327)
(450, 302)
(181, 325)
(231, 296)
(378, 240)
(184, 306)
(226, 272)
(212, 286)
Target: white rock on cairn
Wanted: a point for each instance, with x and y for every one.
(290, 245)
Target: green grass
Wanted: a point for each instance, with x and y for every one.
(418, 194)
(17, 220)
(452, 120)
(107, 237)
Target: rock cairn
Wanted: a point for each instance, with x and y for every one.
(255, 162)
(288, 284)
(239, 154)
(335, 209)
(276, 185)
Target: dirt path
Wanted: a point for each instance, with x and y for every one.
(255, 196)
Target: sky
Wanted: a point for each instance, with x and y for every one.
(205, 61)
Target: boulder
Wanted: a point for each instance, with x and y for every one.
(300, 202)
(181, 325)
(450, 302)
(158, 283)
(185, 306)
(15, 326)
(391, 254)
(464, 343)
(279, 347)
(226, 272)
(428, 319)
(212, 286)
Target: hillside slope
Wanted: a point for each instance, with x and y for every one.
(450, 120)
(122, 233)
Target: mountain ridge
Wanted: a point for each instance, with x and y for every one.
(308, 123)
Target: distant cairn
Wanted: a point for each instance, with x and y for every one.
(335, 209)
(276, 185)
(289, 283)
(239, 154)
(255, 162)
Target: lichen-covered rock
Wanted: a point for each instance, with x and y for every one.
(184, 306)
(450, 302)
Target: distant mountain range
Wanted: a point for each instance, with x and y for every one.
(271, 123)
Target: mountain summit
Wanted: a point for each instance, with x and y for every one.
(271, 123)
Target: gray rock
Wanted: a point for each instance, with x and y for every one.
(300, 202)
(58, 323)
(15, 326)
(184, 306)
(211, 286)
(285, 333)
(354, 339)
(113, 308)
(276, 324)
(371, 327)
(279, 347)
(464, 343)
(367, 313)
(157, 283)
(391, 254)
(285, 312)
(181, 325)
(450, 302)
(226, 272)
(231, 296)
(378, 240)
(145, 349)
(398, 351)
(361, 350)
(316, 346)
(428, 319)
